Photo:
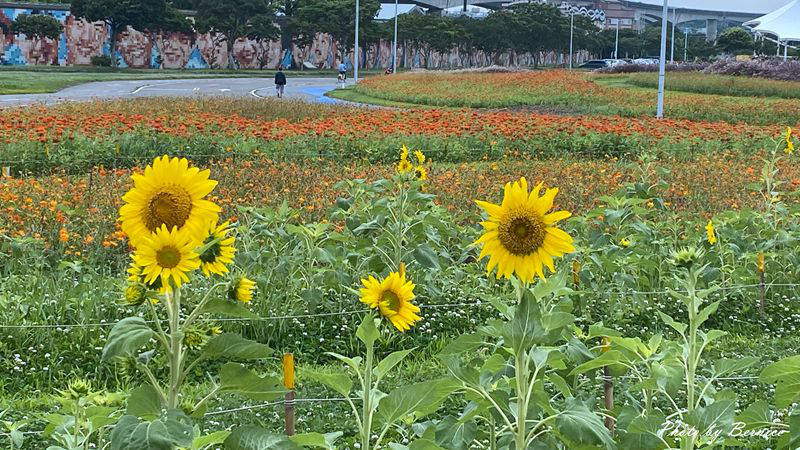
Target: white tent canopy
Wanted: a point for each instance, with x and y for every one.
(784, 22)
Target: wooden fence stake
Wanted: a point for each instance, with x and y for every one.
(761, 285)
(288, 383)
(608, 389)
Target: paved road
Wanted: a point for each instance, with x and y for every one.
(309, 89)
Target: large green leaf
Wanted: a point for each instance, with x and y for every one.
(237, 378)
(719, 414)
(233, 346)
(251, 437)
(724, 366)
(228, 308)
(316, 440)
(454, 434)
(426, 257)
(578, 423)
(172, 429)
(388, 363)
(642, 432)
(203, 442)
(338, 381)
(677, 326)
(368, 332)
(419, 398)
(757, 415)
(786, 375)
(608, 358)
(706, 312)
(126, 337)
(144, 402)
(463, 343)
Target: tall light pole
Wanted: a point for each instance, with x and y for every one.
(571, 26)
(355, 54)
(672, 41)
(785, 50)
(616, 42)
(685, 43)
(394, 48)
(662, 61)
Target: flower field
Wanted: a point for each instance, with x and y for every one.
(172, 269)
(573, 92)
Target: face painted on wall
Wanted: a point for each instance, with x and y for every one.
(214, 55)
(246, 53)
(176, 50)
(84, 39)
(135, 48)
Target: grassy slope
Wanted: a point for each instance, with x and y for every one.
(735, 86)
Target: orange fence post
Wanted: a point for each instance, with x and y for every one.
(288, 383)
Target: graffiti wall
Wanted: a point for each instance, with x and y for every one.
(82, 40)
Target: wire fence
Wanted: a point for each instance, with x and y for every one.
(476, 304)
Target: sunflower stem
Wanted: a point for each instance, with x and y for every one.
(367, 412)
(521, 376)
(176, 350)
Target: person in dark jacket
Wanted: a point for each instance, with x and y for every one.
(280, 81)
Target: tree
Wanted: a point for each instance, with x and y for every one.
(336, 18)
(735, 40)
(262, 29)
(235, 19)
(141, 15)
(37, 26)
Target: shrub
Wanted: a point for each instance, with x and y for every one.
(101, 61)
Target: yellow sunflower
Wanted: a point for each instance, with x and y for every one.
(136, 276)
(242, 290)
(392, 297)
(168, 193)
(710, 234)
(167, 255)
(420, 156)
(220, 253)
(421, 173)
(520, 236)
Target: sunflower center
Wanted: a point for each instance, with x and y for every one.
(170, 207)
(392, 300)
(521, 233)
(168, 257)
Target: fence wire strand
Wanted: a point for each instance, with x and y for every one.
(476, 304)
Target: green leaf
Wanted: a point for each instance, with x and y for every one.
(560, 384)
(251, 437)
(720, 414)
(338, 381)
(144, 402)
(426, 257)
(578, 423)
(605, 359)
(706, 312)
(354, 363)
(217, 437)
(368, 332)
(424, 444)
(388, 363)
(127, 337)
(642, 432)
(598, 330)
(419, 398)
(757, 415)
(462, 344)
(725, 366)
(241, 380)
(326, 441)
(677, 326)
(786, 375)
(233, 346)
(228, 308)
(173, 429)
(455, 434)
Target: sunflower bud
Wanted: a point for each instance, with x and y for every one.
(194, 337)
(686, 257)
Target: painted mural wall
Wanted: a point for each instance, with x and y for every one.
(82, 40)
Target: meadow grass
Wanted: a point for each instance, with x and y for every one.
(711, 84)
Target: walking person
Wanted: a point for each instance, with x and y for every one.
(342, 73)
(280, 81)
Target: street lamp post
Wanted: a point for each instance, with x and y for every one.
(672, 41)
(571, 26)
(662, 61)
(394, 48)
(355, 53)
(616, 42)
